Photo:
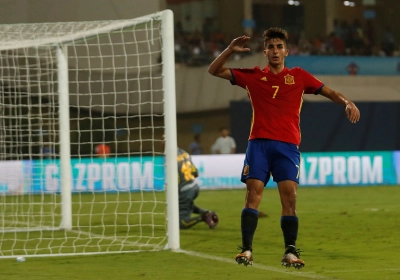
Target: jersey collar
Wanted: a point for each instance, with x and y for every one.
(284, 71)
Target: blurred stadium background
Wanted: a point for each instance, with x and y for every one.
(352, 46)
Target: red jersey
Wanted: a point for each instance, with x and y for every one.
(276, 100)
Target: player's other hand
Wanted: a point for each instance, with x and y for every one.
(352, 112)
(237, 45)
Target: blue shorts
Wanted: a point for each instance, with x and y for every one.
(265, 157)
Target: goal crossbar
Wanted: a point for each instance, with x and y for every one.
(17, 41)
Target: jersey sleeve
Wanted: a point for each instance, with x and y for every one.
(241, 76)
(311, 84)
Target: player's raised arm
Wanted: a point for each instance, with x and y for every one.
(217, 67)
(352, 112)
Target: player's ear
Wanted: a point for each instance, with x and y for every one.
(265, 52)
(287, 52)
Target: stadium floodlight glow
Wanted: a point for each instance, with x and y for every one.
(349, 3)
(293, 3)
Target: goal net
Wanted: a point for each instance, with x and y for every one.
(84, 107)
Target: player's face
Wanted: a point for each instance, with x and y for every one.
(276, 51)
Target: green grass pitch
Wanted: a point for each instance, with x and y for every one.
(345, 233)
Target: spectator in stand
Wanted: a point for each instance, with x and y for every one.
(357, 38)
(338, 28)
(178, 28)
(369, 34)
(345, 33)
(377, 50)
(48, 150)
(396, 53)
(304, 45)
(208, 28)
(195, 148)
(225, 144)
(102, 150)
(335, 45)
(199, 48)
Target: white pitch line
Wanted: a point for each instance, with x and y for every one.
(259, 266)
(360, 270)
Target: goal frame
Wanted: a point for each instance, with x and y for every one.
(169, 88)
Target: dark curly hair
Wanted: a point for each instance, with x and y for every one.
(275, 32)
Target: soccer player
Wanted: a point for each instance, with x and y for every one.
(188, 192)
(276, 95)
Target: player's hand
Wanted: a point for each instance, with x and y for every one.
(237, 45)
(352, 112)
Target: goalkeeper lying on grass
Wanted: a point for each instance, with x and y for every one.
(188, 192)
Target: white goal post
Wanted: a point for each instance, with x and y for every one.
(84, 109)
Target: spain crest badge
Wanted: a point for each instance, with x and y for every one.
(289, 79)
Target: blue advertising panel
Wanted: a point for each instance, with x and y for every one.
(316, 169)
(88, 175)
(346, 65)
(347, 168)
(215, 172)
(396, 164)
